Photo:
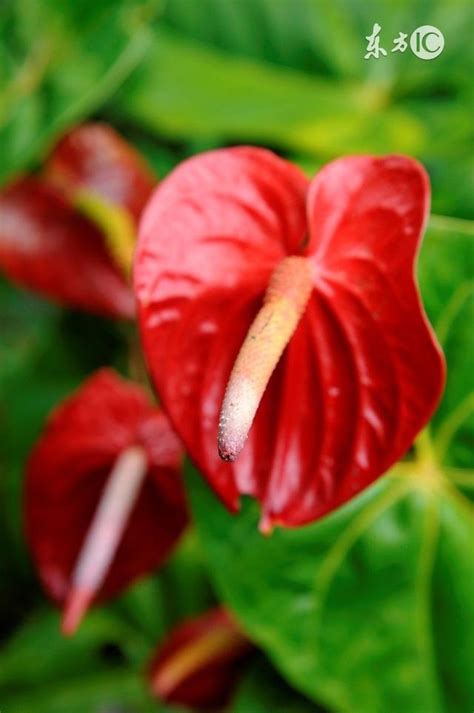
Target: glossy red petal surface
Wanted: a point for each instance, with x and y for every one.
(67, 472)
(213, 674)
(49, 248)
(366, 219)
(96, 158)
(362, 373)
(210, 238)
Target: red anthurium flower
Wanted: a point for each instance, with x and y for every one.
(52, 249)
(104, 501)
(94, 158)
(199, 663)
(69, 234)
(291, 305)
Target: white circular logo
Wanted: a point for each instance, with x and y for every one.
(427, 42)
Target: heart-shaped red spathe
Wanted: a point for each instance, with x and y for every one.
(95, 158)
(200, 662)
(48, 247)
(362, 373)
(67, 472)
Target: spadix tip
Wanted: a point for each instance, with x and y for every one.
(266, 524)
(238, 410)
(226, 455)
(77, 603)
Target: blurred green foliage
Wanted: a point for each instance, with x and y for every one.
(370, 609)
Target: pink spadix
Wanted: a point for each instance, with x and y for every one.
(104, 535)
(287, 295)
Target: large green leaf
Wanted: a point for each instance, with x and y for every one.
(185, 89)
(59, 62)
(291, 74)
(372, 608)
(329, 36)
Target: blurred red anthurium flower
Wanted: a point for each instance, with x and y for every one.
(104, 502)
(199, 663)
(283, 313)
(69, 232)
(93, 158)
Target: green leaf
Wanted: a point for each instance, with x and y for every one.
(372, 608)
(95, 693)
(38, 654)
(345, 607)
(41, 670)
(329, 36)
(446, 277)
(61, 61)
(263, 691)
(299, 83)
(184, 89)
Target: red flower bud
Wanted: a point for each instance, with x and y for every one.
(291, 305)
(104, 502)
(199, 663)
